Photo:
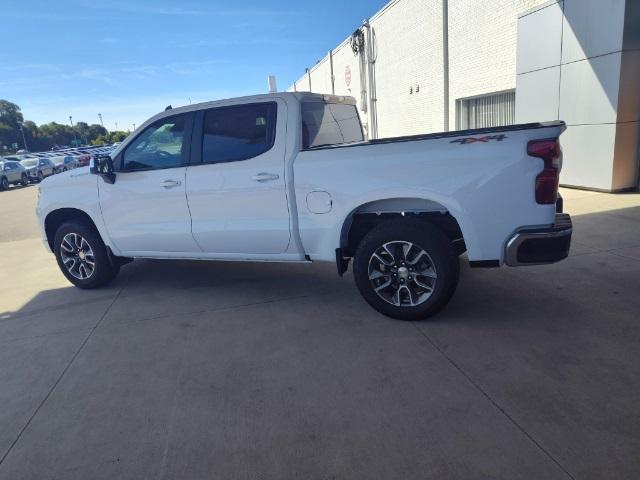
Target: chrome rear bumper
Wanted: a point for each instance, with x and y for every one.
(538, 246)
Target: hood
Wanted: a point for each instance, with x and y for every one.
(76, 176)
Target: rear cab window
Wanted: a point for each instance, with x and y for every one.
(327, 123)
(238, 132)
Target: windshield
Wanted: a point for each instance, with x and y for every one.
(29, 163)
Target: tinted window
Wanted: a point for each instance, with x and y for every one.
(158, 146)
(329, 124)
(238, 132)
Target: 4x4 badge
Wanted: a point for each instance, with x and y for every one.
(486, 139)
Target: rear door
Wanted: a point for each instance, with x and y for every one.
(236, 185)
(146, 210)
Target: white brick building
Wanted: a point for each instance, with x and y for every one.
(433, 65)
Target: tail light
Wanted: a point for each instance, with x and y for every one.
(548, 180)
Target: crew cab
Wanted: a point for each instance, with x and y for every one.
(290, 177)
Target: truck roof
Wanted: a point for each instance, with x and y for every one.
(299, 96)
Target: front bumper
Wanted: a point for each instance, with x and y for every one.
(537, 246)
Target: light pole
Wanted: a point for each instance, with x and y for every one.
(75, 140)
(24, 139)
(134, 126)
(116, 126)
(105, 129)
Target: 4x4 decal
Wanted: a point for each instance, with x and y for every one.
(486, 139)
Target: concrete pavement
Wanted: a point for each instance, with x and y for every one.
(218, 370)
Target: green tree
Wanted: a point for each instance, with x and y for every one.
(10, 114)
(57, 133)
(43, 137)
(96, 131)
(117, 136)
(7, 135)
(82, 131)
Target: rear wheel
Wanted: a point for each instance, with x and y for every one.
(82, 256)
(40, 177)
(4, 183)
(406, 269)
(24, 180)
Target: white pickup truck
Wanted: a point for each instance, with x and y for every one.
(289, 177)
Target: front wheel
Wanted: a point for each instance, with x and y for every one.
(82, 256)
(406, 269)
(24, 180)
(40, 177)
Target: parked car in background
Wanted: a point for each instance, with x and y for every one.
(64, 162)
(82, 156)
(12, 173)
(85, 157)
(38, 168)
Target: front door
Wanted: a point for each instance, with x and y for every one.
(236, 185)
(146, 210)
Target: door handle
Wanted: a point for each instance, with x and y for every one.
(171, 183)
(265, 177)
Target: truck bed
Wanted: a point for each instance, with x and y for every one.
(451, 134)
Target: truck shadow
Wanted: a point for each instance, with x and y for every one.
(603, 269)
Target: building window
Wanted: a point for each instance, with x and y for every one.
(493, 110)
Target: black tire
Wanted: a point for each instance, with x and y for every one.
(40, 177)
(4, 183)
(104, 271)
(422, 235)
(24, 180)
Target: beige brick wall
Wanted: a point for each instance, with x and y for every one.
(482, 59)
(482, 47)
(409, 68)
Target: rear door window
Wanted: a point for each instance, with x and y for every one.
(238, 132)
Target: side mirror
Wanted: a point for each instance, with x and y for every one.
(103, 165)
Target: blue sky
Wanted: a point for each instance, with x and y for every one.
(128, 59)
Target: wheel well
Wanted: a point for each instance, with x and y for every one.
(366, 217)
(62, 215)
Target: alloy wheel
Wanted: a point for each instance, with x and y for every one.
(77, 256)
(402, 274)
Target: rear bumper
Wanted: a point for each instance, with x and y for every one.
(537, 246)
